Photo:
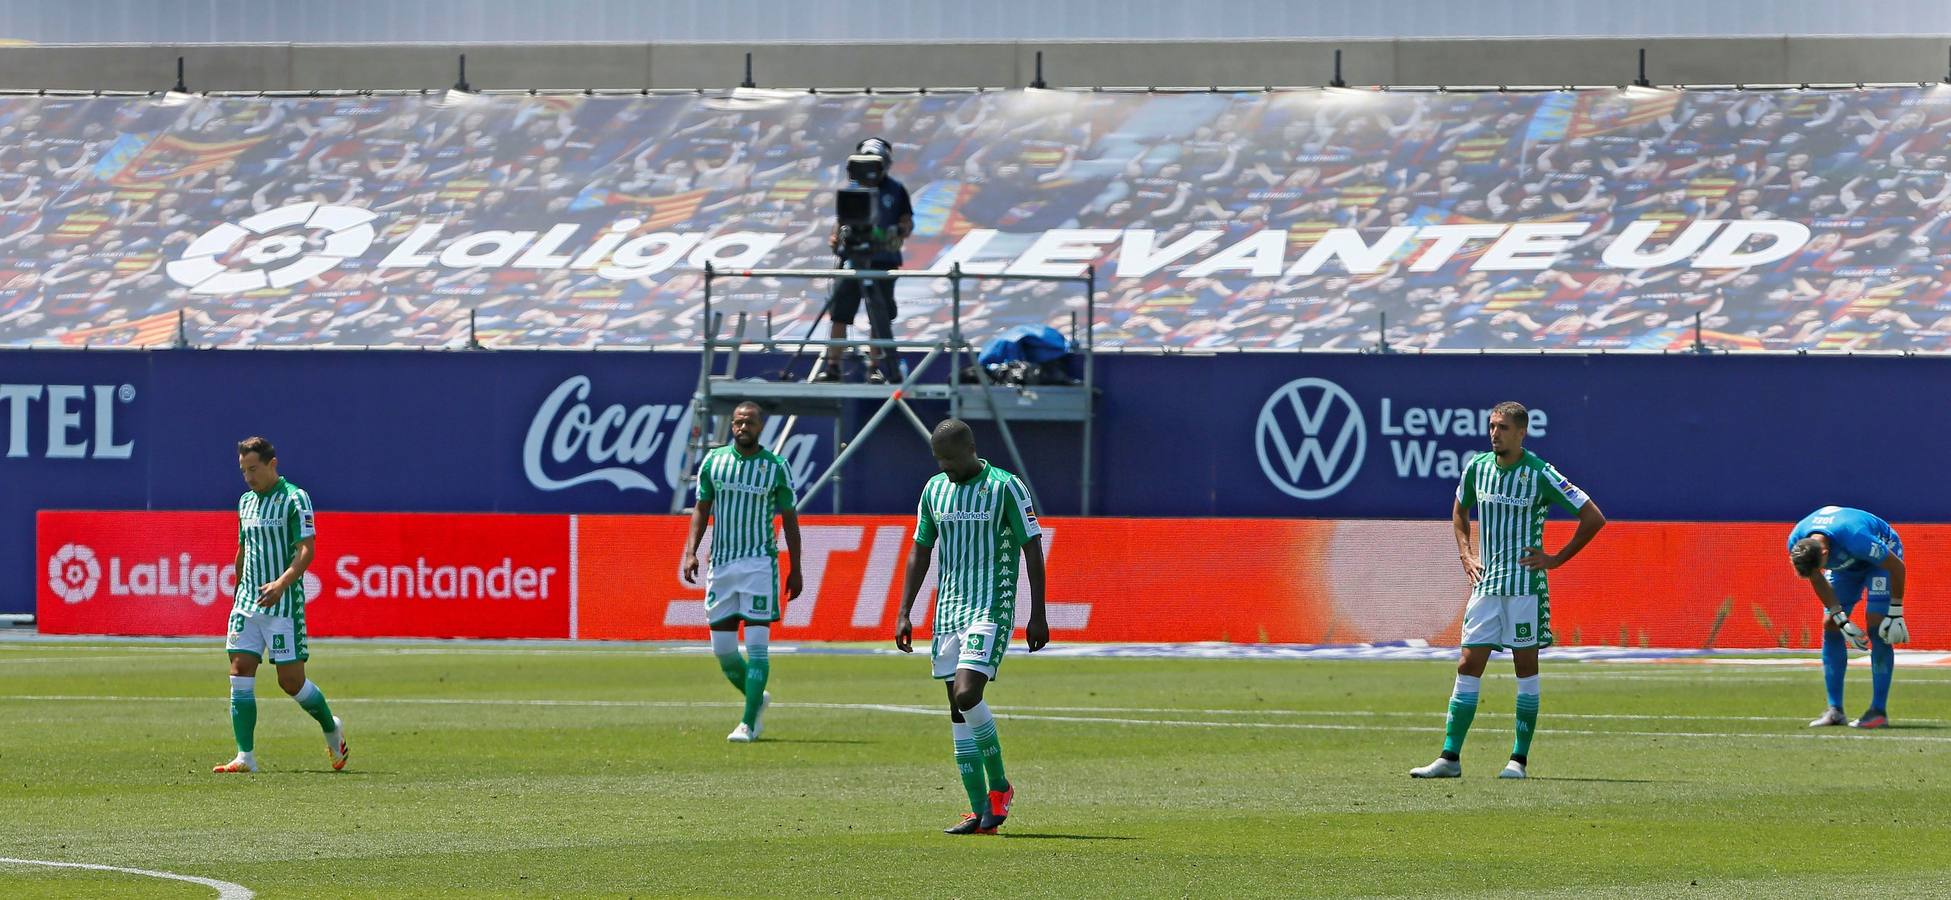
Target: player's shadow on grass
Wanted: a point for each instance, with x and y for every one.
(1603, 780)
(1046, 836)
(817, 741)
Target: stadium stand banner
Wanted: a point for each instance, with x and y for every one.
(1259, 435)
(1599, 219)
(1109, 580)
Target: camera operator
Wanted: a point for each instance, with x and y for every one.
(867, 239)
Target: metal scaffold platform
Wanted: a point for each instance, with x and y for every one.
(718, 392)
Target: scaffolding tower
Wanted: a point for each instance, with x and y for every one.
(719, 392)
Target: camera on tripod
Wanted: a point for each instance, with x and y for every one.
(857, 205)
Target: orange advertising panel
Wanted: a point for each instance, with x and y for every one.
(1645, 584)
(1108, 580)
(1722, 584)
(1642, 584)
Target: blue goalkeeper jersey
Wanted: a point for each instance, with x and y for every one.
(1857, 540)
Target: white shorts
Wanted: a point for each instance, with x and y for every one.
(277, 640)
(978, 647)
(1507, 622)
(744, 588)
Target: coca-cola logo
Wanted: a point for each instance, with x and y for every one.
(571, 442)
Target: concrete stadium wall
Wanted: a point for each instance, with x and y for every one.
(287, 67)
(800, 21)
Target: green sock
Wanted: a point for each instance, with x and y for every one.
(733, 665)
(756, 673)
(1463, 709)
(312, 700)
(1527, 724)
(968, 759)
(243, 711)
(992, 752)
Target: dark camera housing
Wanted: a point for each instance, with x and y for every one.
(854, 206)
(866, 168)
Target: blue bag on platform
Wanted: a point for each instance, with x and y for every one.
(1035, 344)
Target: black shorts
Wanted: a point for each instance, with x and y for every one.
(846, 300)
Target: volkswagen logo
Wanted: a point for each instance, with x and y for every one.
(279, 248)
(1311, 438)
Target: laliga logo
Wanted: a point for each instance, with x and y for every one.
(73, 573)
(1294, 424)
(273, 259)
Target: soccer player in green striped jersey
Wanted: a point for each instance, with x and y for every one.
(1510, 605)
(275, 536)
(979, 517)
(740, 487)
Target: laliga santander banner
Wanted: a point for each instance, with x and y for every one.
(376, 574)
(1109, 580)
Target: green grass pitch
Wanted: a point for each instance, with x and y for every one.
(497, 769)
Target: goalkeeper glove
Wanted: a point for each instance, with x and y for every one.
(1893, 630)
(1854, 635)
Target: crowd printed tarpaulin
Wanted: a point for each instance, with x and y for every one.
(1242, 581)
(1597, 219)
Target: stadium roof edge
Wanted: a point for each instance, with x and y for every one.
(849, 91)
(1031, 43)
(1117, 351)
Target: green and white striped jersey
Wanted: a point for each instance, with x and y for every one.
(1511, 503)
(980, 526)
(745, 492)
(269, 527)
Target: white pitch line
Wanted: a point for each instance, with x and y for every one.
(1720, 676)
(1316, 726)
(1035, 713)
(225, 890)
(1918, 665)
(89, 660)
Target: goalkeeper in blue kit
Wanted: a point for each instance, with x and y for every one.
(1847, 554)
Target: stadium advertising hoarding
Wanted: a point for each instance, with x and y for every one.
(171, 573)
(1307, 436)
(1116, 580)
(1597, 219)
(1664, 437)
